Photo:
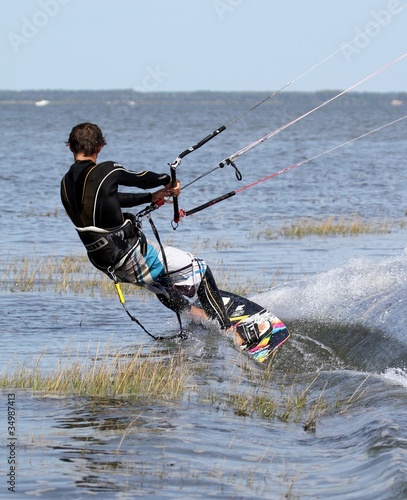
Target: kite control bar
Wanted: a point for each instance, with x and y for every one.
(176, 163)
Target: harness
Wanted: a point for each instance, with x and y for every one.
(110, 249)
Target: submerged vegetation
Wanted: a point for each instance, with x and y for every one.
(290, 403)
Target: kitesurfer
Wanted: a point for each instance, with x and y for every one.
(114, 240)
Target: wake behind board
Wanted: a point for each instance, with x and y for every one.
(252, 321)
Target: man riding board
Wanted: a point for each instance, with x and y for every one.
(114, 240)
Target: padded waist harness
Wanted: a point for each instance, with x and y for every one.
(109, 249)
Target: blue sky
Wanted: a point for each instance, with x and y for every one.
(188, 45)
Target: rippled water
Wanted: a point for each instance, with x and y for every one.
(343, 298)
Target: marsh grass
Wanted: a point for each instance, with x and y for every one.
(112, 374)
(335, 226)
(330, 226)
(291, 405)
(288, 402)
(287, 405)
(75, 274)
(70, 274)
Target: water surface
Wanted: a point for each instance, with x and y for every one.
(343, 298)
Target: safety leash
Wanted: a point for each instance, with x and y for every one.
(180, 335)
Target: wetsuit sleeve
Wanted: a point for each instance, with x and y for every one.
(127, 200)
(143, 180)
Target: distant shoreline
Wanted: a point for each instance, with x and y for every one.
(131, 96)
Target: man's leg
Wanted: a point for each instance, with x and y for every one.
(188, 275)
(211, 300)
(174, 301)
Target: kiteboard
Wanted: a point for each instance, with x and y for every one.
(256, 331)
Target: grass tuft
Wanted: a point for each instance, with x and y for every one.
(111, 375)
(330, 226)
(333, 226)
(70, 274)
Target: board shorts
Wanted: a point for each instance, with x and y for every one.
(177, 283)
(184, 271)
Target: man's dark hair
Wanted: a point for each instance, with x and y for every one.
(86, 138)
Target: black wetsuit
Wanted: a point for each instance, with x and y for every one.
(90, 194)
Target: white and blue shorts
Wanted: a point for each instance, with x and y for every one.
(185, 271)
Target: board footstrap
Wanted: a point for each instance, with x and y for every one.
(257, 326)
(262, 333)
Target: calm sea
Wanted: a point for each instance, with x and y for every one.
(342, 296)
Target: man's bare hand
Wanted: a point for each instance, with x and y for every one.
(168, 190)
